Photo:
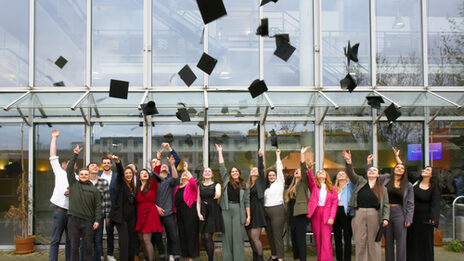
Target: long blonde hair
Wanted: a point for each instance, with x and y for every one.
(251, 182)
(291, 191)
(328, 181)
(337, 184)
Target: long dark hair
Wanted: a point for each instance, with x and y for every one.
(146, 188)
(131, 183)
(240, 184)
(268, 184)
(378, 187)
(404, 180)
(434, 180)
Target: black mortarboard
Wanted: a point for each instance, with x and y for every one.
(225, 136)
(187, 75)
(284, 51)
(392, 113)
(182, 114)
(58, 84)
(192, 110)
(267, 1)
(263, 28)
(119, 89)
(13, 169)
(61, 62)
(201, 125)
(149, 108)
(189, 140)
(348, 83)
(169, 138)
(211, 10)
(207, 63)
(274, 141)
(225, 109)
(282, 39)
(257, 87)
(351, 52)
(217, 140)
(374, 101)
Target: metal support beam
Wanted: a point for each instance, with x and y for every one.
(31, 43)
(268, 100)
(431, 119)
(329, 100)
(84, 116)
(427, 138)
(323, 116)
(205, 98)
(142, 101)
(445, 99)
(79, 101)
(94, 105)
(265, 115)
(386, 98)
(24, 117)
(20, 98)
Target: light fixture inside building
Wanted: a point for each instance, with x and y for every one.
(398, 23)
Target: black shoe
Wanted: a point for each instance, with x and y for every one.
(273, 259)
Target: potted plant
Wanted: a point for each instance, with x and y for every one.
(18, 215)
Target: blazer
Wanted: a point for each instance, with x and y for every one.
(244, 194)
(331, 200)
(190, 193)
(123, 208)
(301, 194)
(112, 183)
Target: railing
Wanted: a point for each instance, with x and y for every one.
(459, 205)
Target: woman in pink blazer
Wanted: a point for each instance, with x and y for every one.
(322, 208)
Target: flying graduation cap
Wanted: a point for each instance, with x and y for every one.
(149, 108)
(61, 62)
(283, 47)
(211, 10)
(257, 87)
(374, 101)
(274, 138)
(348, 83)
(119, 89)
(392, 113)
(351, 52)
(182, 114)
(268, 1)
(187, 75)
(207, 63)
(169, 138)
(263, 28)
(189, 140)
(59, 84)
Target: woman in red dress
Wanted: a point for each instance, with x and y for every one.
(148, 220)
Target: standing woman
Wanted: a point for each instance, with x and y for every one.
(426, 216)
(257, 183)
(401, 199)
(235, 204)
(369, 208)
(208, 211)
(322, 208)
(148, 220)
(297, 198)
(342, 223)
(185, 197)
(275, 209)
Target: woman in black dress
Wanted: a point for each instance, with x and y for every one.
(426, 216)
(185, 197)
(257, 182)
(208, 210)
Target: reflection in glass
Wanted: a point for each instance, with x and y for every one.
(14, 43)
(351, 136)
(122, 140)
(117, 41)
(399, 48)
(44, 178)
(177, 40)
(344, 20)
(60, 31)
(296, 19)
(10, 151)
(240, 146)
(446, 42)
(233, 42)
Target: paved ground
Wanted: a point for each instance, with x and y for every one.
(441, 254)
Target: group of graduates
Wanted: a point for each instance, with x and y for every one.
(144, 204)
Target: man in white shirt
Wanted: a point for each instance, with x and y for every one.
(61, 202)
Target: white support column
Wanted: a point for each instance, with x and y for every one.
(88, 49)
(319, 141)
(375, 141)
(88, 141)
(31, 43)
(206, 145)
(30, 174)
(147, 155)
(427, 137)
(425, 57)
(147, 43)
(317, 10)
(261, 45)
(373, 51)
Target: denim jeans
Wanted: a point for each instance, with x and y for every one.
(110, 238)
(60, 225)
(79, 228)
(97, 243)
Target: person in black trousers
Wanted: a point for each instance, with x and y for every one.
(342, 224)
(123, 211)
(426, 216)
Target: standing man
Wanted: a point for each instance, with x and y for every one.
(84, 211)
(110, 177)
(61, 202)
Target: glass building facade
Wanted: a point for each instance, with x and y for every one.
(411, 53)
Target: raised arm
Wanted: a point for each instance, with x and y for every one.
(55, 134)
(222, 166)
(435, 205)
(279, 168)
(172, 161)
(168, 147)
(354, 178)
(397, 155)
(70, 167)
(200, 216)
(261, 175)
(304, 165)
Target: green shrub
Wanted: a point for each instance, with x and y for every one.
(455, 246)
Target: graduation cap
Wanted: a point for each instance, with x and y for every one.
(274, 141)
(374, 101)
(283, 47)
(348, 83)
(263, 28)
(257, 87)
(189, 140)
(119, 89)
(182, 114)
(13, 169)
(392, 113)
(351, 52)
(187, 75)
(149, 108)
(207, 63)
(58, 84)
(267, 1)
(225, 136)
(201, 125)
(217, 140)
(211, 10)
(61, 62)
(225, 110)
(169, 138)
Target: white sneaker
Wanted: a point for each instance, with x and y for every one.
(102, 258)
(110, 258)
(171, 258)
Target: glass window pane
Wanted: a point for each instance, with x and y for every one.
(123, 140)
(353, 136)
(240, 143)
(10, 151)
(60, 31)
(445, 42)
(399, 43)
(44, 177)
(186, 140)
(14, 43)
(296, 19)
(233, 42)
(344, 20)
(177, 40)
(117, 41)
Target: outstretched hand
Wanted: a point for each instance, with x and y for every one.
(76, 150)
(304, 149)
(396, 151)
(370, 158)
(158, 153)
(309, 162)
(166, 146)
(347, 156)
(185, 164)
(171, 160)
(218, 148)
(55, 133)
(260, 152)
